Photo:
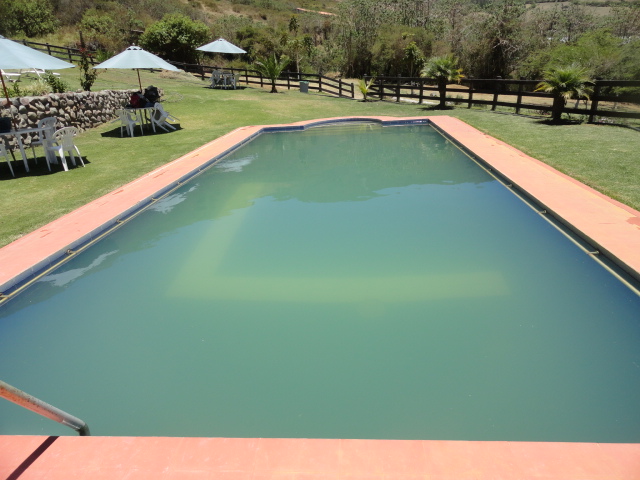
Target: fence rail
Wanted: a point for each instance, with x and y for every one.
(63, 53)
(518, 94)
(287, 80)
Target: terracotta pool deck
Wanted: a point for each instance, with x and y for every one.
(612, 228)
(161, 458)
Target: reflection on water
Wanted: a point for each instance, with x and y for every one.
(342, 282)
(63, 277)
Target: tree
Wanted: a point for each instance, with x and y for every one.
(564, 83)
(271, 68)
(175, 37)
(32, 17)
(359, 24)
(445, 70)
(414, 58)
(110, 27)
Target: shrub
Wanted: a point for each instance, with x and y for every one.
(36, 88)
(175, 37)
(56, 84)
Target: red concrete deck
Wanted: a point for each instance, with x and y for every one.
(153, 458)
(614, 228)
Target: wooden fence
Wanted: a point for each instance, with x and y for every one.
(518, 94)
(63, 53)
(606, 101)
(316, 82)
(287, 80)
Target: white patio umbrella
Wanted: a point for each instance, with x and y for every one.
(136, 58)
(14, 55)
(220, 46)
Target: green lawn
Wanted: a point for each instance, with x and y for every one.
(604, 157)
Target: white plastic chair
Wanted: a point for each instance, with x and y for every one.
(63, 139)
(7, 157)
(128, 121)
(161, 118)
(216, 76)
(48, 126)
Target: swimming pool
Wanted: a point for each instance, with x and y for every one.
(399, 293)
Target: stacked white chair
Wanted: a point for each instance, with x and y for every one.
(128, 121)
(63, 142)
(48, 126)
(216, 76)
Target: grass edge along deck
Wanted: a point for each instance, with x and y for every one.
(609, 226)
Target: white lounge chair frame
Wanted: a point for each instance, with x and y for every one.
(160, 117)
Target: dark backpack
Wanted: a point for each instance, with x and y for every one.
(152, 94)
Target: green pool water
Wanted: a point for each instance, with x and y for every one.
(348, 281)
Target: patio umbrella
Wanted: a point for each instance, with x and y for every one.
(14, 55)
(136, 58)
(220, 46)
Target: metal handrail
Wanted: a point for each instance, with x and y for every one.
(42, 408)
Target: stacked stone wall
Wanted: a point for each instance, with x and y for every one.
(82, 110)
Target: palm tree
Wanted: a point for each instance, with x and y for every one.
(564, 83)
(365, 87)
(445, 70)
(271, 68)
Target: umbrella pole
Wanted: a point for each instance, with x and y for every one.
(139, 82)
(6, 94)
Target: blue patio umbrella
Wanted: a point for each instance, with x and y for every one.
(136, 58)
(220, 46)
(14, 55)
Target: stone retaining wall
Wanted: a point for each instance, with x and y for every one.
(82, 110)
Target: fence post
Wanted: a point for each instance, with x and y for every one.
(48, 48)
(421, 91)
(339, 87)
(495, 93)
(381, 89)
(288, 81)
(519, 99)
(594, 102)
(470, 95)
(319, 83)
(398, 89)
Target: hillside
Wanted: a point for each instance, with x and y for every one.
(505, 38)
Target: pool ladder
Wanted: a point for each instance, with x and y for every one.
(42, 408)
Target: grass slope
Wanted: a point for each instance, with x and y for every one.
(604, 157)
